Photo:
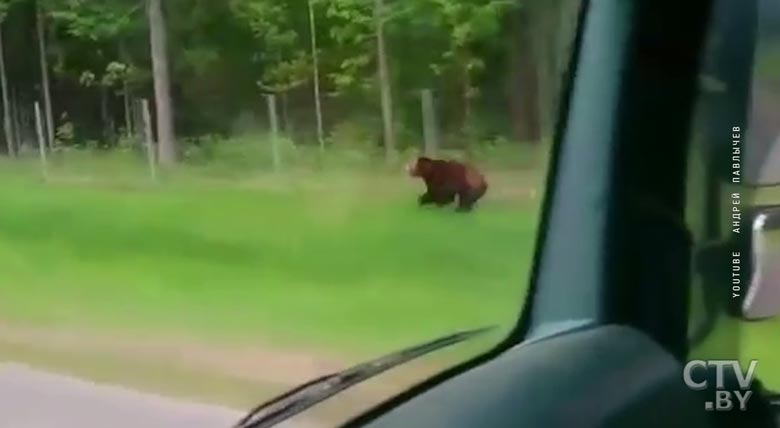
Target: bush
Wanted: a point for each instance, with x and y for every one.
(64, 134)
(500, 152)
(200, 150)
(355, 134)
(249, 153)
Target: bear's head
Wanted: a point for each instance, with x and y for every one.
(419, 167)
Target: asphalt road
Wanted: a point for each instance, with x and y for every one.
(35, 399)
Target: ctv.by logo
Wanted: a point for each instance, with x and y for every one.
(724, 399)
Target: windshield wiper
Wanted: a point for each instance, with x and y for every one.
(307, 395)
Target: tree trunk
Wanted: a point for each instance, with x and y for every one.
(551, 24)
(316, 67)
(523, 81)
(126, 93)
(128, 111)
(272, 119)
(542, 45)
(48, 115)
(16, 120)
(166, 139)
(466, 97)
(430, 126)
(7, 126)
(136, 108)
(384, 81)
(105, 116)
(41, 139)
(146, 120)
(288, 130)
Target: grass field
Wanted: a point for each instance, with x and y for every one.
(337, 261)
(230, 286)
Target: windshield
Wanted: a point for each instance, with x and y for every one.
(218, 201)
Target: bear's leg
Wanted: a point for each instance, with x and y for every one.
(425, 198)
(439, 198)
(466, 202)
(467, 199)
(445, 199)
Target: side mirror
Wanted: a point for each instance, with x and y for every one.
(762, 296)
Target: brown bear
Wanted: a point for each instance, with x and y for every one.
(444, 179)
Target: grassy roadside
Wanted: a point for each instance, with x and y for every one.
(329, 261)
(240, 388)
(338, 263)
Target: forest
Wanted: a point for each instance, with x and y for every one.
(343, 73)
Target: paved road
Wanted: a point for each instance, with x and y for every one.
(34, 399)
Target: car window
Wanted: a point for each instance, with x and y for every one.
(217, 201)
(718, 154)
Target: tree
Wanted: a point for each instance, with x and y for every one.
(281, 56)
(358, 28)
(280, 50)
(551, 25)
(316, 71)
(115, 74)
(384, 80)
(470, 24)
(40, 26)
(162, 84)
(352, 30)
(7, 127)
(523, 77)
(369, 58)
(101, 24)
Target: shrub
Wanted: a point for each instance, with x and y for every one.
(355, 134)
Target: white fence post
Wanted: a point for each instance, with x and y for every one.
(271, 101)
(41, 140)
(429, 123)
(150, 153)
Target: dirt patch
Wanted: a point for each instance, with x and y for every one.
(255, 363)
(239, 377)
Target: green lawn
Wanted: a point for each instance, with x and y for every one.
(337, 261)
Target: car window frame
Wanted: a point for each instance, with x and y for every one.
(624, 286)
